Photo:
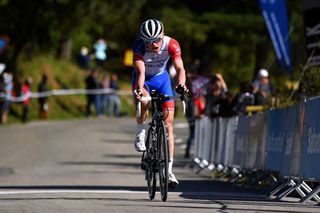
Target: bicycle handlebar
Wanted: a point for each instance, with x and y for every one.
(149, 98)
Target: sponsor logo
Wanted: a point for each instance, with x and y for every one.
(313, 141)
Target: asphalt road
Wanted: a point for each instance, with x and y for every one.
(91, 166)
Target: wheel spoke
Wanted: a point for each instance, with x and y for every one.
(163, 155)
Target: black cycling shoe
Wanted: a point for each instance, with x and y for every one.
(143, 166)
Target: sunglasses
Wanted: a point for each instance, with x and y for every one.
(157, 40)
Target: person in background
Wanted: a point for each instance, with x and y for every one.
(114, 100)
(196, 104)
(8, 87)
(243, 98)
(217, 100)
(84, 58)
(43, 101)
(100, 48)
(26, 93)
(105, 96)
(93, 83)
(2, 97)
(262, 88)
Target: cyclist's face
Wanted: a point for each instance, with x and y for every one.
(154, 46)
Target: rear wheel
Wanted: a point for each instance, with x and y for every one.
(163, 160)
(150, 157)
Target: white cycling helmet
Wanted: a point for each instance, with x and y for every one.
(151, 30)
(263, 73)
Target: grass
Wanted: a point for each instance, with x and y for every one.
(61, 75)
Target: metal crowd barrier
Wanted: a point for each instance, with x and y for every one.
(60, 92)
(281, 146)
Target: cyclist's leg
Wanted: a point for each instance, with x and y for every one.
(141, 127)
(169, 124)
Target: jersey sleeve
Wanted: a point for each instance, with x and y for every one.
(174, 49)
(138, 50)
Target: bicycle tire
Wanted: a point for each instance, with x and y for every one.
(150, 171)
(163, 160)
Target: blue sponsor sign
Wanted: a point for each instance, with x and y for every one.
(276, 138)
(290, 129)
(275, 16)
(311, 141)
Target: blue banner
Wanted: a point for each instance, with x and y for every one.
(275, 16)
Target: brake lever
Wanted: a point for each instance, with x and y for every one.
(138, 112)
(184, 100)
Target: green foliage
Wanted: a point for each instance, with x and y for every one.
(61, 75)
(225, 35)
(311, 82)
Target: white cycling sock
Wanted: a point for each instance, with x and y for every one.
(140, 126)
(170, 166)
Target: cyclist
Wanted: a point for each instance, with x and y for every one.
(151, 53)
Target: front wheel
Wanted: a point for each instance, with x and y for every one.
(163, 160)
(150, 157)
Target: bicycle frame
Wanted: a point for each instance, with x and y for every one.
(156, 157)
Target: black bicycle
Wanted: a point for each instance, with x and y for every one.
(156, 157)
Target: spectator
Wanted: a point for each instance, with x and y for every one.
(8, 87)
(244, 98)
(100, 48)
(114, 100)
(217, 103)
(196, 104)
(43, 100)
(262, 88)
(26, 93)
(92, 83)
(84, 58)
(105, 96)
(2, 97)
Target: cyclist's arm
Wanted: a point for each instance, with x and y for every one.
(181, 73)
(140, 69)
(175, 53)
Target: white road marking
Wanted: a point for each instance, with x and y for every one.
(181, 125)
(69, 191)
(57, 191)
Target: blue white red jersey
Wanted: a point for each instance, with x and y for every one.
(155, 63)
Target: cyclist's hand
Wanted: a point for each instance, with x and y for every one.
(182, 89)
(138, 94)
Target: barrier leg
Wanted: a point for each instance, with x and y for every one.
(308, 189)
(312, 194)
(292, 186)
(299, 190)
(278, 186)
(273, 188)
